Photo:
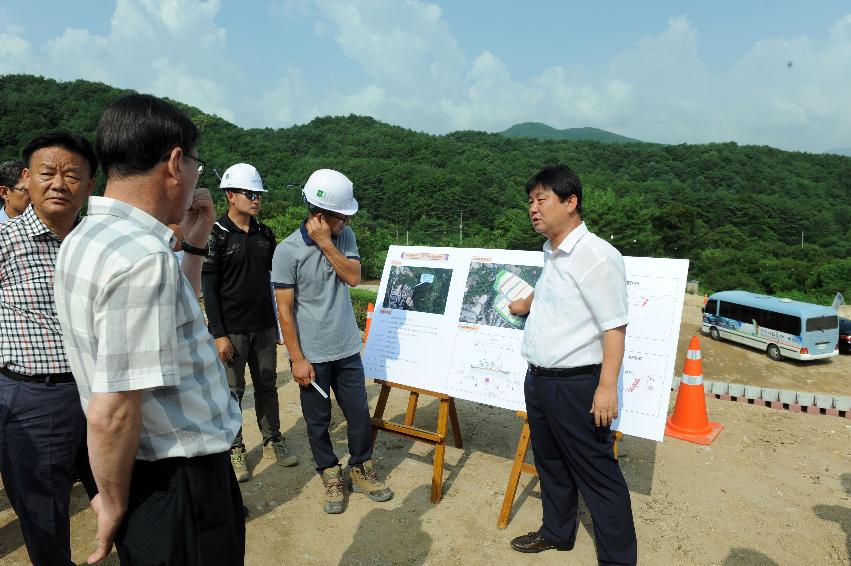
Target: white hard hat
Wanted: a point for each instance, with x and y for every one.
(332, 191)
(242, 176)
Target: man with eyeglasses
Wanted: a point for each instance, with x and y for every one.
(15, 195)
(240, 314)
(41, 421)
(312, 271)
(160, 417)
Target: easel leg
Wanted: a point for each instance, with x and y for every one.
(439, 451)
(380, 405)
(412, 408)
(456, 428)
(514, 477)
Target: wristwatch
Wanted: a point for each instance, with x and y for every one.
(190, 249)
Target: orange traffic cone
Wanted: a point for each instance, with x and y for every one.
(689, 421)
(369, 309)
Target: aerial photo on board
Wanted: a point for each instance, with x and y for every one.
(491, 287)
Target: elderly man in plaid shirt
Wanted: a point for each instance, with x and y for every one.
(41, 422)
(161, 418)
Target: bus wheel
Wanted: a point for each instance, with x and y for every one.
(714, 334)
(774, 352)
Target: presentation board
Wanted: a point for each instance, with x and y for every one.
(441, 323)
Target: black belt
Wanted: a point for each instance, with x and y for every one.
(563, 372)
(46, 378)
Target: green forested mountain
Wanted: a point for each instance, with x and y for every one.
(539, 131)
(736, 212)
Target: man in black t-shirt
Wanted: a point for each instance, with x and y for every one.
(238, 300)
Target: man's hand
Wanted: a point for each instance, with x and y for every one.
(225, 349)
(318, 230)
(108, 524)
(605, 405)
(303, 372)
(198, 220)
(520, 307)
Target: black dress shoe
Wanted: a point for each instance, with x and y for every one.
(534, 542)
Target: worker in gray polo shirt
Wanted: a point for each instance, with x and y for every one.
(312, 270)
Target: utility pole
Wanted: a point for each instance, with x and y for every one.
(461, 230)
(802, 239)
(407, 241)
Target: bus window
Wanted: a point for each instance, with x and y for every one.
(822, 323)
(711, 307)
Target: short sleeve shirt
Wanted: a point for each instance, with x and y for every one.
(580, 294)
(131, 321)
(325, 319)
(30, 335)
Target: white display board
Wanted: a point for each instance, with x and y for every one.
(441, 323)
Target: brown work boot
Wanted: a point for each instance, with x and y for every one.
(365, 481)
(277, 450)
(240, 465)
(332, 478)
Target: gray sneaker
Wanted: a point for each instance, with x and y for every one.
(332, 478)
(240, 466)
(279, 451)
(365, 481)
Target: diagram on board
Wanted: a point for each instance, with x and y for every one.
(491, 287)
(487, 366)
(650, 312)
(641, 382)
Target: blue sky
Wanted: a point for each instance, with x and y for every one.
(662, 71)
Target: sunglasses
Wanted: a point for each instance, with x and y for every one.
(250, 195)
(340, 217)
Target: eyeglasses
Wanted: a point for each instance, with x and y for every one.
(200, 161)
(22, 189)
(250, 195)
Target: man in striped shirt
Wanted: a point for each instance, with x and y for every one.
(160, 416)
(41, 423)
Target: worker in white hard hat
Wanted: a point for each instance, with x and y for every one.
(238, 300)
(312, 271)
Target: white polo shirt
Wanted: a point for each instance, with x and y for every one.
(581, 293)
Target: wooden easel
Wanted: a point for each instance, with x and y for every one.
(520, 465)
(446, 412)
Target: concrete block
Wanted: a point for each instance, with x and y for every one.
(776, 405)
(805, 399)
(794, 408)
(760, 402)
(812, 409)
(736, 390)
(768, 394)
(787, 396)
(725, 397)
(752, 392)
(741, 399)
(831, 412)
(823, 401)
(842, 403)
(719, 388)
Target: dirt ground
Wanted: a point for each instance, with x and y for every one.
(774, 488)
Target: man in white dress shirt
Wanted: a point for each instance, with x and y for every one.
(574, 343)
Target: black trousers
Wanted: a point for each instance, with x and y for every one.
(41, 427)
(346, 378)
(259, 351)
(185, 511)
(574, 456)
